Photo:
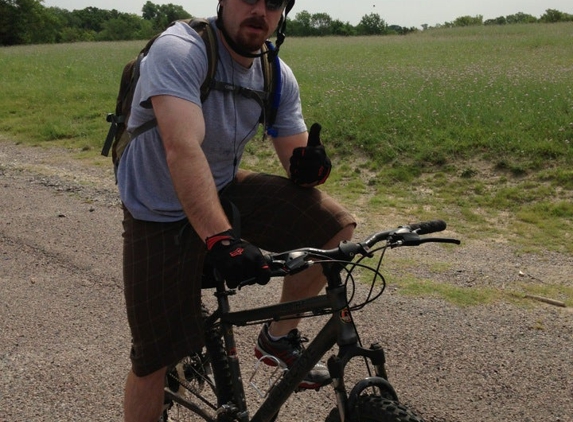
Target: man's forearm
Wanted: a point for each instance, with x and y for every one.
(196, 190)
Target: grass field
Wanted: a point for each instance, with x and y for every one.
(470, 124)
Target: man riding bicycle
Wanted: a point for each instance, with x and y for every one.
(173, 178)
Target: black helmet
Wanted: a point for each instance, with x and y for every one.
(282, 24)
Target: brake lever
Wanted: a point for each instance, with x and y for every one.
(440, 240)
(293, 262)
(414, 239)
(247, 282)
(404, 239)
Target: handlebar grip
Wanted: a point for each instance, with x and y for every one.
(429, 226)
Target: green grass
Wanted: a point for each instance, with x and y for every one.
(464, 296)
(428, 99)
(60, 94)
(456, 295)
(439, 96)
(401, 275)
(473, 125)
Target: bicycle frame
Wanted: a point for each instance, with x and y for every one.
(338, 330)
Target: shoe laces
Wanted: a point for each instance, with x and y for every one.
(296, 339)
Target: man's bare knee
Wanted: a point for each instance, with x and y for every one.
(345, 234)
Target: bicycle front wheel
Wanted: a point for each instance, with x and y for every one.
(373, 408)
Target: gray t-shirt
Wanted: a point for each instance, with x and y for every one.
(177, 65)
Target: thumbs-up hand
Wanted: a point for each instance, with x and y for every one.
(314, 135)
(310, 166)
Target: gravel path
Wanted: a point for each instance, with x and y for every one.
(64, 339)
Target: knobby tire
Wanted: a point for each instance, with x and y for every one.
(372, 408)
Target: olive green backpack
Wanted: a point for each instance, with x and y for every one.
(118, 137)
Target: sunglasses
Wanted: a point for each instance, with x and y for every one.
(272, 5)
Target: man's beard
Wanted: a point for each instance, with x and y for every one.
(252, 42)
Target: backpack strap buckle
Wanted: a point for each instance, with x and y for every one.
(115, 121)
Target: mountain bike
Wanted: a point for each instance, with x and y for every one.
(209, 384)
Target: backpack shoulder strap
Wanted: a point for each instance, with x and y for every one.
(207, 33)
(273, 85)
(267, 69)
(204, 28)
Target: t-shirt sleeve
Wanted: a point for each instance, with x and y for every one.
(175, 65)
(289, 120)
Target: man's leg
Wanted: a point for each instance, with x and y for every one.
(308, 283)
(163, 302)
(143, 398)
(277, 215)
(282, 339)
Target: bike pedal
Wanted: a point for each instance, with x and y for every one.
(300, 389)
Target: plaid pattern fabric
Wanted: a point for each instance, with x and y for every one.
(277, 215)
(163, 262)
(163, 303)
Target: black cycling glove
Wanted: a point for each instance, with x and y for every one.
(237, 260)
(310, 165)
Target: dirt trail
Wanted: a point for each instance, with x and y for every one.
(64, 338)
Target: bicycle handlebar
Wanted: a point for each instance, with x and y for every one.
(291, 262)
(425, 227)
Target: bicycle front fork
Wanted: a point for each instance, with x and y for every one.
(336, 366)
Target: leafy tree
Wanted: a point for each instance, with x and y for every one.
(69, 25)
(521, 17)
(321, 23)
(400, 30)
(174, 12)
(342, 28)
(469, 21)
(306, 24)
(150, 11)
(24, 22)
(162, 15)
(125, 27)
(28, 21)
(553, 16)
(372, 24)
(301, 25)
(501, 20)
(46, 28)
(92, 18)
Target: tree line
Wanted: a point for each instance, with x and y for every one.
(550, 16)
(29, 22)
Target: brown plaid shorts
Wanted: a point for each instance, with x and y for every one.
(163, 262)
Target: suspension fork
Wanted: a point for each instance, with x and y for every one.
(347, 340)
(336, 367)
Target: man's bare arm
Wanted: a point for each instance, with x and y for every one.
(182, 129)
(284, 147)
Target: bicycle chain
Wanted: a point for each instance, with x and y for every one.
(185, 383)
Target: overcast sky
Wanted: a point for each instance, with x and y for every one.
(399, 12)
